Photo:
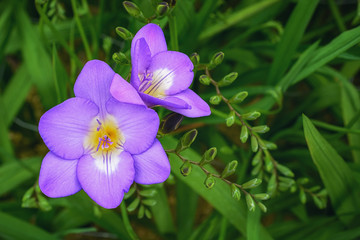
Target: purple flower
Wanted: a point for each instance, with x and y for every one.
(163, 77)
(99, 144)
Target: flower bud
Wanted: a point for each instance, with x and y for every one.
(124, 33)
(302, 196)
(162, 9)
(229, 169)
(261, 129)
(185, 169)
(262, 207)
(209, 181)
(205, 79)
(254, 144)
(120, 58)
(133, 205)
(170, 122)
(270, 145)
(208, 156)
(251, 115)
(195, 59)
(186, 140)
(239, 97)
(244, 134)
(256, 160)
(230, 120)
(235, 192)
(284, 170)
(215, 100)
(216, 60)
(252, 183)
(228, 79)
(262, 196)
(133, 9)
(250, 202)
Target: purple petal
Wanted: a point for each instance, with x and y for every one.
(140, 60)
(58, 176)
(138, 124)
(122, 91)
(94, 82)
(65, 126)
(152, 166)
(153, 101)
(154, 38)
(106, 178)
(199, 108)
(172, 73)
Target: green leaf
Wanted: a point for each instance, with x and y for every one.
(290, 40)
(218, 197)
(334, 172)
(19, 229)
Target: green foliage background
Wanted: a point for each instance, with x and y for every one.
(299, 62)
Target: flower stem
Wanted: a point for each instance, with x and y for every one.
(81, 30)
(127, 224)
(173, 33)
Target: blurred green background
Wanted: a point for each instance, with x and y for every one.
(298, 60)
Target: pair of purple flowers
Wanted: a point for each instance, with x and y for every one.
(104, 138)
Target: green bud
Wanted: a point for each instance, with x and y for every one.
(230, 120)
(215, 100)
(262, 207)
(250, 202)
(209, 181)
(293, 188)
(239, 97)
(303, 180)
(170, 123)
(252, 183)
(148, 192)
(229, 169)
(322, 193)
(228, 79)
(284, 170)
(262, 196)
(129, 193)
(216, 60)
(261, 129)
(208, 156)
(272, 185)
(149, 202)
(124, 33)
(205, 79)
(28, 194)
(254, 144)
(186, 140)
(315, 188)
(133, 205)
(195, 59)
(120, 58)
(29, 203)
(302, 196)
(162, 9)
(256, 170)
(256, 159)
(133, 9)
(235, 192)
(318, 202)
(148, 213)
(43, 203)
(251, 115)
(185, 169)
(268, 163)
(141, 212)
(269, 145)
(244, 134)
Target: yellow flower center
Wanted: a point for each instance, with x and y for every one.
(104, 137)
(156, 83)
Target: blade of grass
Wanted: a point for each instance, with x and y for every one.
(235, 18)
(291, 38)
(335, 173)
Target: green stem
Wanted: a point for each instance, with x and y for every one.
(126, 221)
(81, 30)
(173, 33)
